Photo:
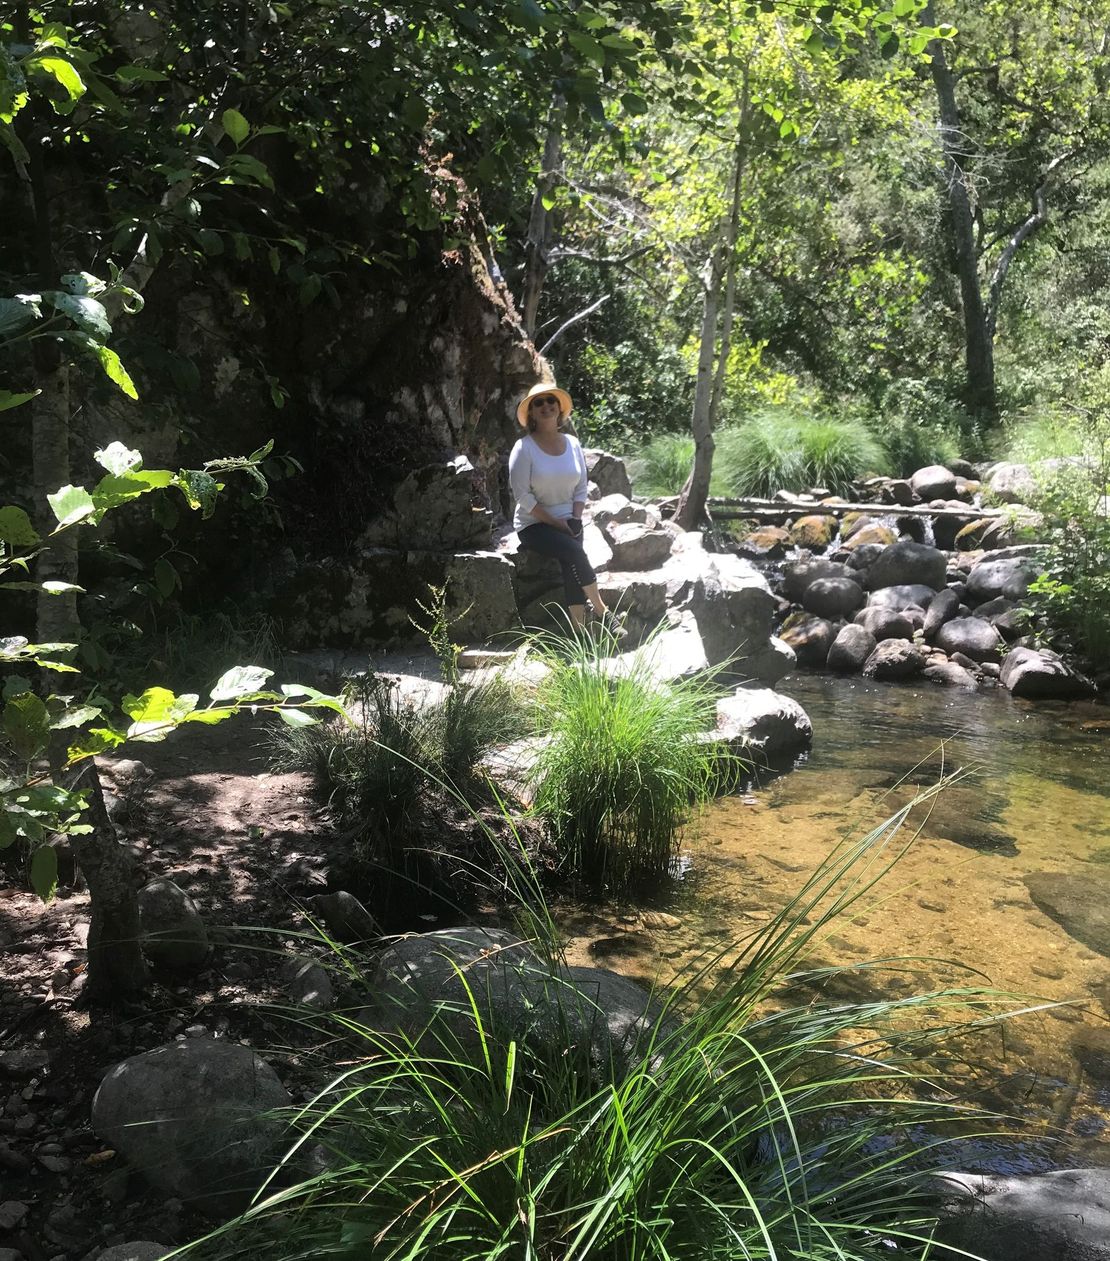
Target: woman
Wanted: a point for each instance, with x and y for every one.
(547, 473)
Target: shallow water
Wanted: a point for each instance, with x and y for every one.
(1010, 873)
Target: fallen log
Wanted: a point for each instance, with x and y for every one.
(731, 509)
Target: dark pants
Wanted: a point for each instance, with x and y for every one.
(568, 551)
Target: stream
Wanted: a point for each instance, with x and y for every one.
(1009, 874)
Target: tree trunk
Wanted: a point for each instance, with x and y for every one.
(710, 383)
(537, 248)
(117, 969)
(978, 346)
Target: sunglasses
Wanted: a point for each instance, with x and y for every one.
(546, 401)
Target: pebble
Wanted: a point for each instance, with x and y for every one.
(56, 1164)
(1050, 971)
(939, 907)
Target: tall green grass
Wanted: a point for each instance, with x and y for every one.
(753, 1118)
(623, 765)
(779, 449)
(663, 465)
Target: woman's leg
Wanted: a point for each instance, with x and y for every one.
(579, 579)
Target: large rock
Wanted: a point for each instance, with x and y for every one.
(456, 987)
(813, 532)
(901, 596)
(810, 637)
(1041, 674)
(851, 648)
(797, 576)
(972, 636)
(833, 597)
(173, 932)
(884, 623)
(345, 917)
(638, 545)
(894, 659)
(642, 596)
(1009, 619)
(608, 473)
(140, 1250)
(617, 510)
(1012, 483)
(908, 563)
(767, 542)
(933, 482)
(950, 674)
(1058, 1216)
(196, 1119)
(764, 720)
(436, 508)
(870, 534)
(990, 579)
(946, 527)
(942, 608)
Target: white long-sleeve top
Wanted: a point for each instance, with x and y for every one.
(555, 482)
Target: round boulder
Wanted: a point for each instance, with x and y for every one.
(885, 623)
(949, 674)
(813, 532)
(833, 597)
(942, 608)
(972, 636)
(797, 575)
(196, 1118)
(760, 718)
(1041, 674)
(870, 534)
(909, 563)
(768, 542)
(894, 659)
(608, 473)
(173, 933)
(933, 482)
(851, 648)
(810, 637)
(1009, 578)
(901, 596)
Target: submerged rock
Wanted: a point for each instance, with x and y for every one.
(1079, 904)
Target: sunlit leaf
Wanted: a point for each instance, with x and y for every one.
(44, 871)
(71, 504)
(117, 458)
(8, 399)
(16, 528)
(238, 682)
(26, 723)
(236, 125)
(115, 371)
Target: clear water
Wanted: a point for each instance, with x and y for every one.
(1031, 818)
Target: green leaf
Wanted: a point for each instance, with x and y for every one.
(211, 716)
(71, 504)
(238, 682)
(16, 685)
(87, 313)
(65, 74)
(165, 578)
(113, 490)
(117, 458)
(634, 104)
(296, 718)
(16, 528)
(19, 311)
(156, 712)
(95, 741)
(8, 400)
(200, 490)
(115, 371)
(9, 832)
(26, 723)
(76, 716)
(140, 74)
(44, 871)
(54, 586)
(236, 126)
(83, 283)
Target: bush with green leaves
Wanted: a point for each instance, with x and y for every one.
(782, 449)
(1073, 592)
(663, 465)
(624, 764)
(759, 1114)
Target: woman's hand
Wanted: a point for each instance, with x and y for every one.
(574, 527)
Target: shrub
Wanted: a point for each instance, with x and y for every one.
(775, 1121)
(662, 467)
(919, 424)
(780, 449)
(623, 766)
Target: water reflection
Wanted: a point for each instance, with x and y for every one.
(1010, 875)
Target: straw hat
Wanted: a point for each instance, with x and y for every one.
(537, 391)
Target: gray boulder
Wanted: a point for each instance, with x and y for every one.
(308, 984)
(809, 637)
(933, 482)
(617, 510)
(851, 648)
(798, 575)
(949, 674)
(436, 508)
(173, 932)
(1041, 674)
(1058, 1216)
(991, 579)
(885, 623)
(908, 563)
(901, 596)
(141, 1250)
(345, 917)
(1012, 483)
(762, 719)
(608, 473)
(862, 558)
(972, 636)
(430, 984)
(638, 545)
(833, 597)
(196, 1118)
(1008, 618)
(894, 659)
(942, 608)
